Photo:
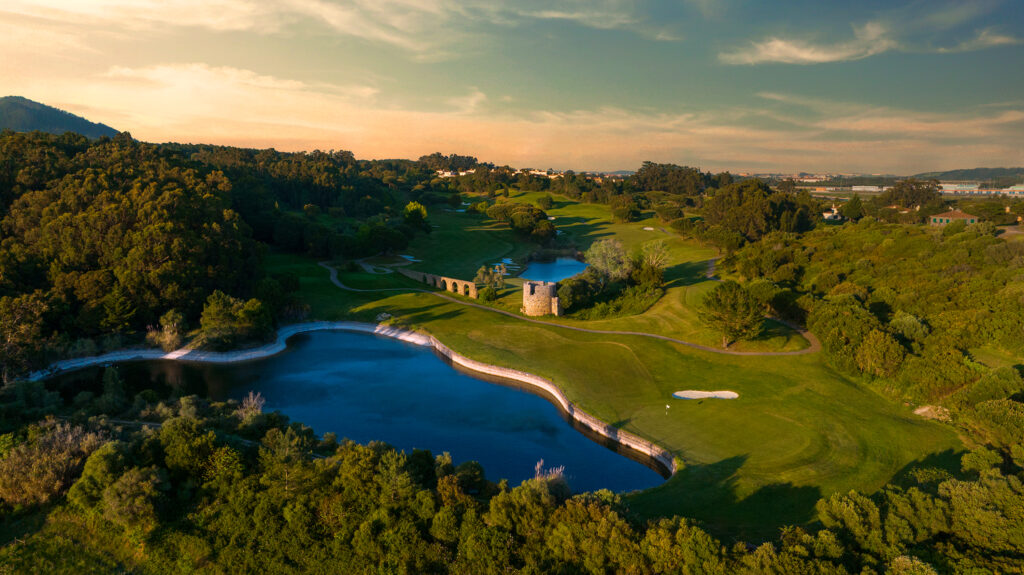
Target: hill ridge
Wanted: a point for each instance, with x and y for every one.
(20, 114)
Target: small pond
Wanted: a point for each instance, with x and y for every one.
(366, 388)
(555, 271)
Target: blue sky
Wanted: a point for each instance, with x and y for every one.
(877, 87)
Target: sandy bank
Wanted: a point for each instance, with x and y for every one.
(692, 394)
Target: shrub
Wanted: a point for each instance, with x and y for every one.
(487, 294)
(39, 470)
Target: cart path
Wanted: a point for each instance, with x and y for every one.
(810, 337)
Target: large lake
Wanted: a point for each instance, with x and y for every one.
(555, 271)
(366, 388)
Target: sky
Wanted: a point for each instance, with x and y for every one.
(873, 86)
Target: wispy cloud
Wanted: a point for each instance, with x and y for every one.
(984, 39)
(933, 27)
(424, 28)
(870, 39)
(469, 103)
(202, 103)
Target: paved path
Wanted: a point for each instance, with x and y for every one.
(814, 347)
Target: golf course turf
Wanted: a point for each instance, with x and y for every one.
(798, 431)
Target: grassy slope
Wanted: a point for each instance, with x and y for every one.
(799, 430)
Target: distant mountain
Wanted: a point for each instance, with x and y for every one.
(24, 115)
(974, 174)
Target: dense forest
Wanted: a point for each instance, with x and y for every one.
(161, 485)
(104, 240)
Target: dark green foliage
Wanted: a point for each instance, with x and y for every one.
(751, 209)
(452, 163)
(525, 220)
(227, 320)
(672, 179)
(732, 311)
(853, 209)
(906, 304)
(488, 294)
(910, 193)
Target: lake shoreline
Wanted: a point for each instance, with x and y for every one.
(657, 454)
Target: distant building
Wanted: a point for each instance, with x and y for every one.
(952, 216)
(869, 189)
(960, 188)
(832, 215)
(541, 298)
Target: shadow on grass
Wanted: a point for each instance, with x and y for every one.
(707, 493)
(686, 274)
(926, 473)
(585, 232)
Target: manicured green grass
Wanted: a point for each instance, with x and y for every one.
(675, 314)
(799, 430)
(463, 243)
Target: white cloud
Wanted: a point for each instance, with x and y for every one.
(870, 39)
(984, 39)
(469, 103)
(916, 28)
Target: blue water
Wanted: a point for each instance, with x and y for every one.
(365, 388)
(557, 270)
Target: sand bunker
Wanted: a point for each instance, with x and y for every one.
(691, 394)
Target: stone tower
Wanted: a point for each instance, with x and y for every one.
(541, 298)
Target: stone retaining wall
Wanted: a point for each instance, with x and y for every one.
(454, 285)
(600, 427)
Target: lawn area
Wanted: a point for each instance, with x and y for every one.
(674, 315)
(799, 430)
(463, 243)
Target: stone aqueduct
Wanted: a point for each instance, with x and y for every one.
(539, 298)
(454, 285)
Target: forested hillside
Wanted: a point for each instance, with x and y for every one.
(104, 240)
(908, 307)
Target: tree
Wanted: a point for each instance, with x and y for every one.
(119, 310)
(415, 215)
(880, 354)
(42, 468)
(493, 278)
(853, 209)
(731, 310)
(101, 470)
(21, 329)
(609, 261)
(131, 500)
(911, 192)
(227, 320)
